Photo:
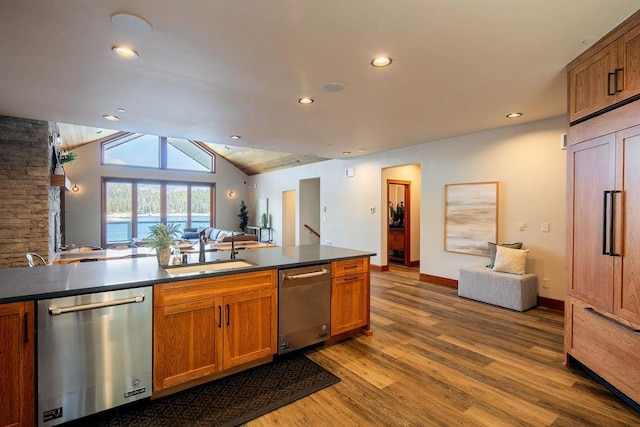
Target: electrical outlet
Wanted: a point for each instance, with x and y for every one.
(546, 283)
(328, 242)
(544, 227)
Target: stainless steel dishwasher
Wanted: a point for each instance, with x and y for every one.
(94, 353)
(304, 307)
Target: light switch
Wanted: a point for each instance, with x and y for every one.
(545, 227)
(522, 226)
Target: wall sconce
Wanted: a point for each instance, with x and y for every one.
(75, 188)
(231, 194)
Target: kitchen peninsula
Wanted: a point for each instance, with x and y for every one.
(228, 317)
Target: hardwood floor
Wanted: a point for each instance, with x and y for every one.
(437, 359)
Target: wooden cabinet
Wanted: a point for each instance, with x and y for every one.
(204, 326)
(396, 245)
(349, 295)
(603, 276)
(607, 74)
(17, 370)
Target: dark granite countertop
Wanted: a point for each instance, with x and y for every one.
(22, 284)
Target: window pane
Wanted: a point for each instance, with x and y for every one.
(138, 150)
(118, 201)
(177, 205)
(200, 206)
(184, 154)
(148, 208)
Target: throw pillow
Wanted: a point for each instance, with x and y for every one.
(510, 260)
(492, 250)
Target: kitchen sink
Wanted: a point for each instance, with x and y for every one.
(209, 267)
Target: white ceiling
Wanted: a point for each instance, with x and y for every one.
(214, 68)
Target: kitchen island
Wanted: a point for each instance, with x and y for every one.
(226, 317)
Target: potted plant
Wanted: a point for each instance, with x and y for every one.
(244, 217)
(161, 237)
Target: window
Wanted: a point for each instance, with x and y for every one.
(149, 151)
(132, 206)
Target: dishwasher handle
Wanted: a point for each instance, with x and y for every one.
(54, 311)
(306, 275)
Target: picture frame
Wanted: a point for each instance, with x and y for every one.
(470, 217)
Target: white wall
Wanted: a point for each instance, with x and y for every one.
(83, 209)
(526, 160)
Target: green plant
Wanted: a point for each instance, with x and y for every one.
(68, 157)
(162, 236)
(244, 217)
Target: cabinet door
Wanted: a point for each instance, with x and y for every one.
(591, 166)
(187, 342)
(17, 370)
(627, 297)
(591, 86)
(249, 322)
(629, 60)
(349, 303)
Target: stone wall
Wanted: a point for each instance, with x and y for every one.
(28, 202)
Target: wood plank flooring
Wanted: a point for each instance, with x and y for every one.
(439, 360)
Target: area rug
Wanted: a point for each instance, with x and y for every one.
(228, 401)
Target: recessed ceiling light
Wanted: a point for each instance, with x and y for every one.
(121, 110)
(235, 137)
(381, 61)
(305, 101)
(111, 117)
(124, 52)
(346, 153)
(513, 115)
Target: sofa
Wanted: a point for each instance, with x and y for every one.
(217, 235)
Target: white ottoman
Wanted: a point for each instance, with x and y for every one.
(513, 291)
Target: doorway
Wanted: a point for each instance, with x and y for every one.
(289, 218)
(309, 206)
(399, 222)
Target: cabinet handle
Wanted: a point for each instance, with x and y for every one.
(219, 316)
(608, 218)
(228, 314)
(350, 279)
(615, 322)
(604, 223)
(26, 327)
(609, 91)
(612, 223)
(617, 79)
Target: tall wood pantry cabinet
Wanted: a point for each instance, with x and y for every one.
(602, 305)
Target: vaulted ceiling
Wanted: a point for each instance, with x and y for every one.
(210, 69)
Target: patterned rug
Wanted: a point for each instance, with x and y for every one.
(228, 401)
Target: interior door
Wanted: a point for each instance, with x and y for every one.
(399, 221)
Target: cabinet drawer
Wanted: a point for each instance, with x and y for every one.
(607, 348)
(350, 266)
(188, 291)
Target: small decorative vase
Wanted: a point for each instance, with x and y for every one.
(163, 256)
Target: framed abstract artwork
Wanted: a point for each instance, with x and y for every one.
(470, 217)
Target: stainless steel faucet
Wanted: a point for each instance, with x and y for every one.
(233, 247)
(203, 241)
